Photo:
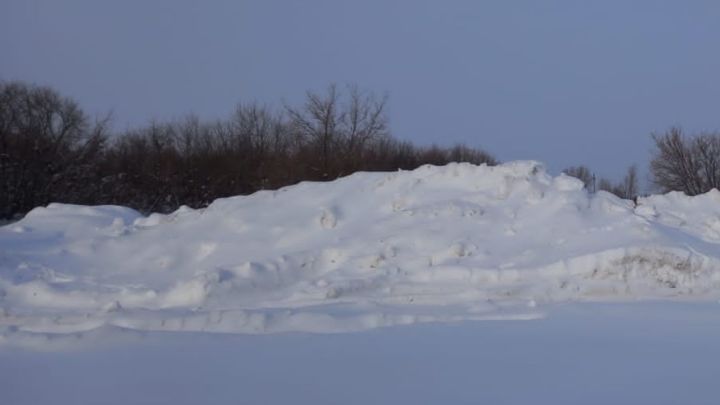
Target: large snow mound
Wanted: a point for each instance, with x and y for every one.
(372, 249)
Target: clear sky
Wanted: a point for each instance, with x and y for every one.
(564, 82)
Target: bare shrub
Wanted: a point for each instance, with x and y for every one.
(687, 164)
(584, 174)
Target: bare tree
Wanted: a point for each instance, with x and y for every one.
(706, 148)
(44, 137)
(606, 185)
(363, 119)
(317, 123)
(675, 165)
(687, 164)
(628, 189)
(262, 135)
(584, 174)
(337, 127)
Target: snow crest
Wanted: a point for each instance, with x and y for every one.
(457, 242)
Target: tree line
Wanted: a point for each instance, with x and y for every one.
(51, 151)
(628, 188)
(679, 162)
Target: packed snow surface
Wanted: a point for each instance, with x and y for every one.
(650, 353)
(457, 242)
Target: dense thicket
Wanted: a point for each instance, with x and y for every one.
(51, 151)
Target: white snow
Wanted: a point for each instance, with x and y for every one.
(451, 243)
(590, 354)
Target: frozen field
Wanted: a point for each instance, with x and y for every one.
(641, 353)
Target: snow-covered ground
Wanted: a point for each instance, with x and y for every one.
(451, 243)
(585, 298)
(590, 354)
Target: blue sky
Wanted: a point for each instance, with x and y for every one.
(564, 82)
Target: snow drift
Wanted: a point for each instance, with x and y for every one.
(373, 249)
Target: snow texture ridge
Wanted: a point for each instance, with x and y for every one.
(457, 242)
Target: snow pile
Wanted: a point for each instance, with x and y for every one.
(372, 249)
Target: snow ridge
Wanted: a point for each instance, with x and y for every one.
(457, 242)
